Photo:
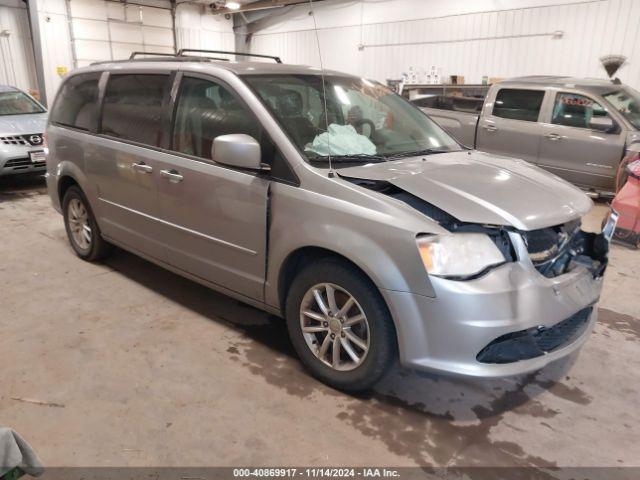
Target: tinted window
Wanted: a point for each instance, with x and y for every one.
(575, 110)
(77, 102)
(205, 111)
(518, 104)
(133, 107)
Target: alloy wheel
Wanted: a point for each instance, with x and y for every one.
(334, 326)
(79, 224)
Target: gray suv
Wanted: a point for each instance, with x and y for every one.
(330, 201)
(22, 122)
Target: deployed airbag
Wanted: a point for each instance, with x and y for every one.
(341, 140)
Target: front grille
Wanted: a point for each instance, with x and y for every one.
(535, 342)
(17, 162)
(34, 139)
(13, 140)
(23, 164)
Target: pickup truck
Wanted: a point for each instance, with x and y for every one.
(578, 129)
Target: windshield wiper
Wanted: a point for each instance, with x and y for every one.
(353, 157)
(417, 153)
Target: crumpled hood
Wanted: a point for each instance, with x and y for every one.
(19, 124)
(478, 187)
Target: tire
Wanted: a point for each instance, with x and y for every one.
(88, 244)
(377, 332)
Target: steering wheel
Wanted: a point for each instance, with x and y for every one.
(365, 121)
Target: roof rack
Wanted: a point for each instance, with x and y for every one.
(182, 51)
(172, 56)
(153, 54)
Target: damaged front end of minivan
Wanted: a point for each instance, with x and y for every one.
(553, 250)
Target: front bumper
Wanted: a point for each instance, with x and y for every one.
(14, 159)
(446, 333)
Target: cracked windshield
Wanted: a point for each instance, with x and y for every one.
(366, 121)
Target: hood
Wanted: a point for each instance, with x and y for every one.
(476, 187)
(18, 124)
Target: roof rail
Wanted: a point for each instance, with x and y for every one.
(154, 54)
(182, 51)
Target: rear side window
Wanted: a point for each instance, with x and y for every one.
(77, 102)
(517, 104)
(132, 107)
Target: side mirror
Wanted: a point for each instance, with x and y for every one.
(601, 124)
(237, 150)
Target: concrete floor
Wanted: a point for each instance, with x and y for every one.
(142, 367)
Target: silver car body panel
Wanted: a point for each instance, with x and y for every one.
(480, 188)
(235, 231)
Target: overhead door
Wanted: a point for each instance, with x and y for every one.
(103, 30)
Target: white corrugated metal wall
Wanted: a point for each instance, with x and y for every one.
(195, 28)
(495, 39)
(105, 30)
(55, 40)
(16, 52)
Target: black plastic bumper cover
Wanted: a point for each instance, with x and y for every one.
(535, 342)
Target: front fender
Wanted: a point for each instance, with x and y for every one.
(380, 244)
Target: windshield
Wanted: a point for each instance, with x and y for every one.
(627, 102)
(366, 121)
(16, 103)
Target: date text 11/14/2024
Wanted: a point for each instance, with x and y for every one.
(316, 472)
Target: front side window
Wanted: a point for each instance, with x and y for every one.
(18, 103)
(348, 117)
(205, 111)
(77, 102)
(574, 110)
(133, 107)
(518, 104)
(627, 102)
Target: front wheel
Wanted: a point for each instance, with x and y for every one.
(340, 326)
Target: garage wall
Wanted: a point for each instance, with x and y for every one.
(57, 54)
(16, 53)
(76, 33)
(496, 38)
(104, 30)
(195, 28)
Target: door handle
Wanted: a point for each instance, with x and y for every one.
(553, 136)
(173, 175)
(142, 167)
(490, 128)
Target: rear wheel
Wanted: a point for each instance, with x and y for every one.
(81, 226)
(340, 326)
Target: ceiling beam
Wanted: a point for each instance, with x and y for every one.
(258, 5)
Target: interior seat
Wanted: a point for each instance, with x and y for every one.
(290, 106)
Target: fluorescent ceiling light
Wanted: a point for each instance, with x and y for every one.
(232, 5)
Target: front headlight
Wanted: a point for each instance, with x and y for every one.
(458, 254)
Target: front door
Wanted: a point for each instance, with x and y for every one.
(509, 124)
(214, 217)
(575, 152)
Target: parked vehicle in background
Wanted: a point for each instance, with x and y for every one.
(22, 123)
(331, 201)
(575, 128)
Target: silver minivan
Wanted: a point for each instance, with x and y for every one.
(330, 201)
